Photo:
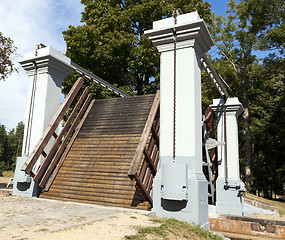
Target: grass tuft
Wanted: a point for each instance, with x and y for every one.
(170, 228)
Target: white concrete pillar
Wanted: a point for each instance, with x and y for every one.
(180, 188)
(229, 187)
(46, 69)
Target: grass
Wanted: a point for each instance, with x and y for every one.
(172, 229)
(279, 205)
(8, 173)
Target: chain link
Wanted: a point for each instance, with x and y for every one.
(31, 113)
(174, 87)
(226, 147)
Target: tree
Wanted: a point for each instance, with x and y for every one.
(10, 146)
(267, 18)
(3, 147)
(111, 44)
(7, 49)
(236, 44)
(15, 142)
(260, 85)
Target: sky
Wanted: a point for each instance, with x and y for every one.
(28, 23)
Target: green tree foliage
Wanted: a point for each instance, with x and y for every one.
(10, 146)
(7, 49)
(267, 22)
(260, 86)
(111, 44)
(267, 18)
(236, 44)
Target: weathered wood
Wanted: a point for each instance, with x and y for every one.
(144, 190)
(55, 135)
(139, 152)
(96, 166)
(67, 124)
(65, 141)
(39, 148)
(149, 161)
(60, 162)
(155, 135)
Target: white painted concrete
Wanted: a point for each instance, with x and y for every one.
(193, 40)
(229, 196)
(46, 69)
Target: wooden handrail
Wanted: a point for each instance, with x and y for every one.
(40, 146)
(60, 162)
(144, 137)
(67, 124)
(64, 142)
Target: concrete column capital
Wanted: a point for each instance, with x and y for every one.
(47, 60)
(233, 106)
(191, 31)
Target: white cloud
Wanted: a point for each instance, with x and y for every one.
(28, 23)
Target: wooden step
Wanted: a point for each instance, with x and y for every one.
(96, 168)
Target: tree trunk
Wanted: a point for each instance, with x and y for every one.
(139, 83)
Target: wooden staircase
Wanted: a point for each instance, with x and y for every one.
(96, 168)
(104, 145)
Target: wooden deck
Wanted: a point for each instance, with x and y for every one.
(96, 168)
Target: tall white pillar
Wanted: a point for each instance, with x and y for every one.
(180, 189)
(46, 69)
(229, 187)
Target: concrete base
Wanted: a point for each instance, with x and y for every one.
(23, 184)
(229, 200)
(194, 207)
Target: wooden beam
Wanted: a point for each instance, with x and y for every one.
(150, 161)
(144, 137)
(155, 135)
(52, 151)
(30, 162)
(64, 142)
(144, 190)
(60, 162)
(54, 135)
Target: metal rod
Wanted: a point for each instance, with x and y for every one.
(225, 140)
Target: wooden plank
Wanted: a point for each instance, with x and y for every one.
(139, 152)
(64, 142)
(58, 140)
(38, 149)
(105, 201)
(150, 161)
(50, 180)
(144, 190)
(155, 135)
(142, 206)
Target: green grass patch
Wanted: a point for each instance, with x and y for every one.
(172, 228)
(8, 173)
(279, 204)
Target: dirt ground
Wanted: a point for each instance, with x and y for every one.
(24, 218)
(32, 218)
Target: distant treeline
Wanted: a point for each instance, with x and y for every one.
(10, 146)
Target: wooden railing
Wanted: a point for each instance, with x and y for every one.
(210, 155)
(144, 165)
(53, 160)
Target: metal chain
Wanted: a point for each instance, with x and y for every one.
(225, 140)
(174, 86)
(31, 110)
